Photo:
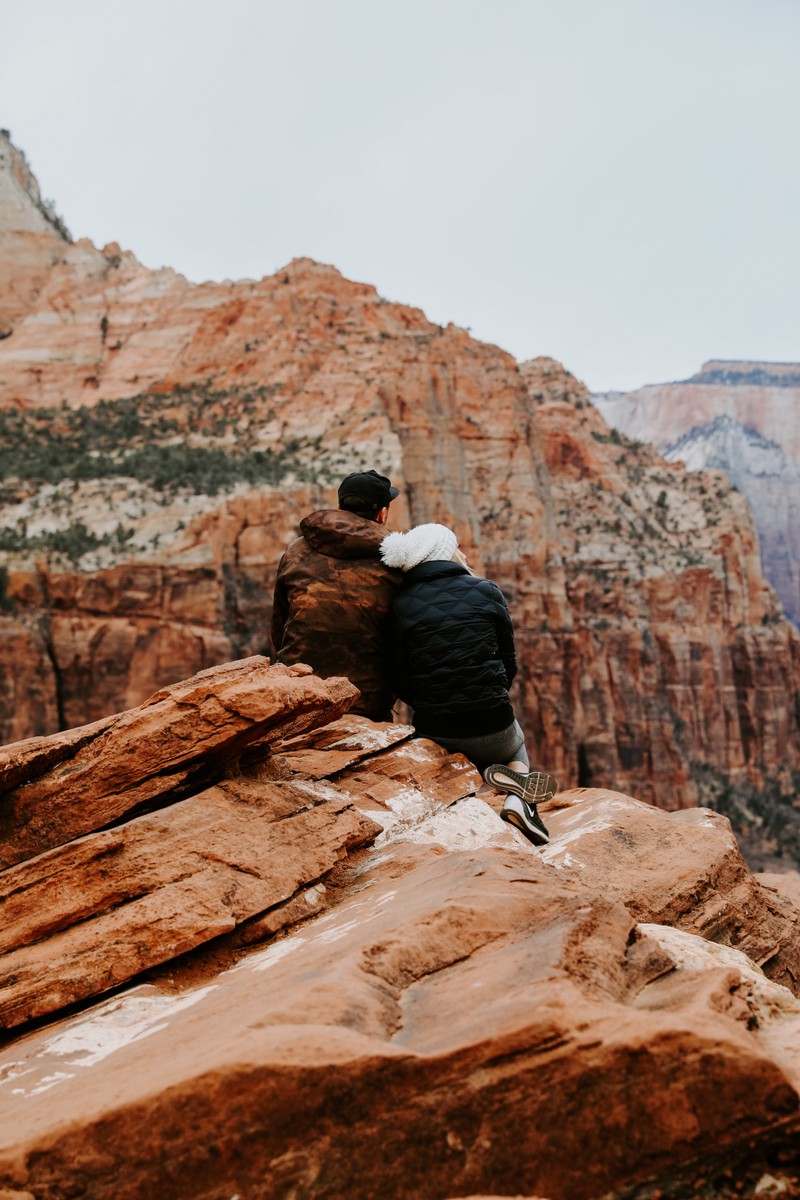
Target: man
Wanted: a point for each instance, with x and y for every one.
(333, 594)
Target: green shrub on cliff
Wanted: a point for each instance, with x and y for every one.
(71, 543)
(139, 438)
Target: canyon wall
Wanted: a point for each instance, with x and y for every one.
(743, 418)
(160, 441)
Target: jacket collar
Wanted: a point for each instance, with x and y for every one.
(434, 570)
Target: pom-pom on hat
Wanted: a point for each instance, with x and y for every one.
(425, 543)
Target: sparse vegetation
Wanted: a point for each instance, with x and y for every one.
(616, 438)
(143, 438)
(71, 543)
(765, 818)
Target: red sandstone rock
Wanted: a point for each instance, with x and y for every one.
(28, 684)
(22, 762)
(391, 1047)
(336, 746)
(88, 916)
(180, 738)
(689, 873)
(438, 985)
(785, 885)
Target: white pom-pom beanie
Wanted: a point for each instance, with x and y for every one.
(425, 543)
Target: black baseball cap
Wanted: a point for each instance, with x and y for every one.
(369, 486)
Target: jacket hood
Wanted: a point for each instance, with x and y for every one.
(341, 534)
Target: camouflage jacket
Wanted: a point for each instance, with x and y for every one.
(332, 605)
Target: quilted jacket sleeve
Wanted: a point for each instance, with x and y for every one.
(505, 635)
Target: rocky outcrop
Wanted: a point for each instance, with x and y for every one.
(338, 973)
(181, 737)
(739, 417)
(160, 442)
(33, 239)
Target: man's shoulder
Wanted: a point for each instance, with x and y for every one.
(292, 551)
(300, 558)
(372, 571)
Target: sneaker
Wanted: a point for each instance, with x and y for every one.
(535, 785)
(526, 818)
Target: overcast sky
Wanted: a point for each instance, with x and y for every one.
(615, 183)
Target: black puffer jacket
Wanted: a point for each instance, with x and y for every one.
(453, 651)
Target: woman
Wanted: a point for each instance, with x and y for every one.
(454, 659)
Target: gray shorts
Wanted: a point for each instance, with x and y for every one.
(487, 748)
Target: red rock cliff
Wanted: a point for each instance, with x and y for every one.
(141, 535)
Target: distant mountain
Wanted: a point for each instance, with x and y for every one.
(742, 418)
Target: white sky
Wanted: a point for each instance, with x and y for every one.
(615, 183)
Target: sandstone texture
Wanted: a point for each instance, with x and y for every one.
(181, 736)
(161, 440)
(739, 417)
(336, 972)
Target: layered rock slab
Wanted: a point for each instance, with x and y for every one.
(172, 745)
(466, 1017)
(87, 916)
(682, 869)
(339, 744)
(91, 915)
(462, 1023)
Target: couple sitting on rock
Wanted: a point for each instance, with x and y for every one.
(401, 614)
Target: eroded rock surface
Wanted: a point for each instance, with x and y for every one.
(370, 985)
(682, 869)
(182, 736)
(86, 917)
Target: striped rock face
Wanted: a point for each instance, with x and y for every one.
(740, 418)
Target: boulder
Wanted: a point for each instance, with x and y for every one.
(334, 971)
(458, 1023)
(682, 869)
(173, 744)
